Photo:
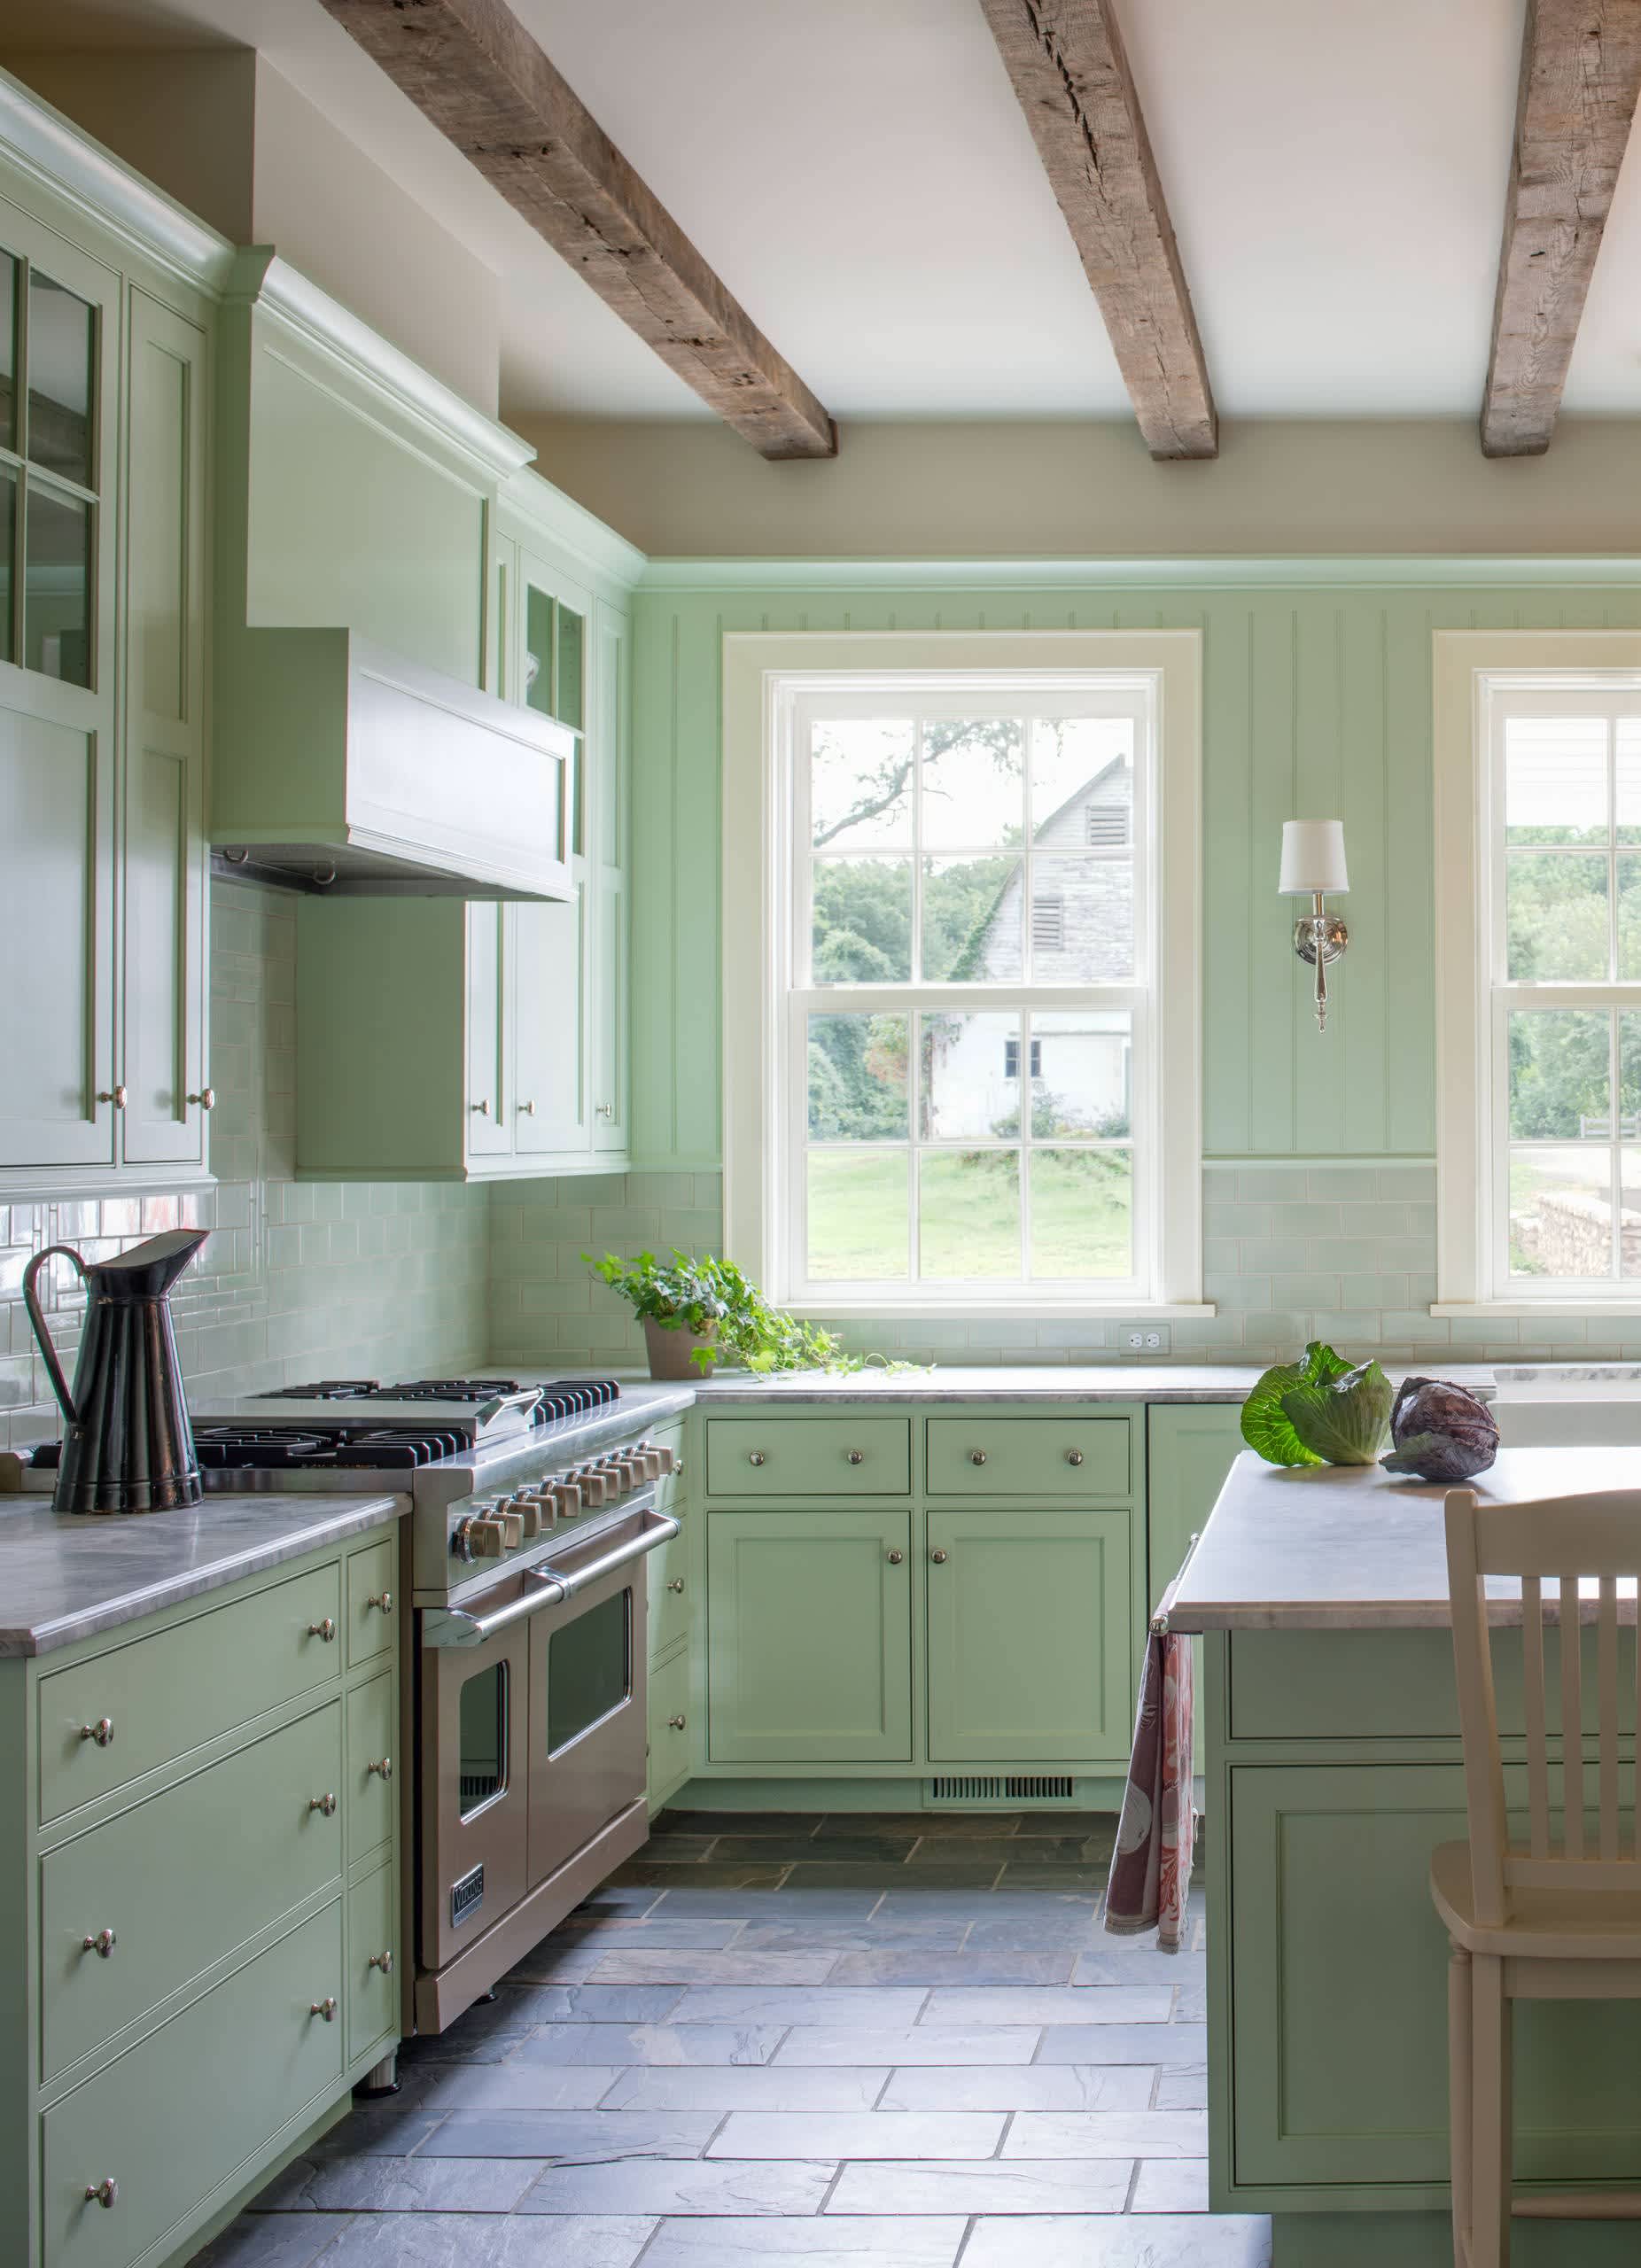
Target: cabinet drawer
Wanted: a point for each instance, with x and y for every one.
(372, 1961)
(671, 1602)
(670, 1735)
(169, 2121)
(778, 1455)
(1033, 1458)
(165, 1695)
(370, 1601)
(373, 1765)
(182, 1879)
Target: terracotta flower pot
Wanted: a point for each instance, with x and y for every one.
(672, 1349)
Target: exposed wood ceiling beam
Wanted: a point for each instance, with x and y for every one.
(1069, 70)
(471, 67)
(1580, 72)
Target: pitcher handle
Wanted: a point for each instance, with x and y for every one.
(54, 1368)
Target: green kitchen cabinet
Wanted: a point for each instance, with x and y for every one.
(1030, 1635)
(102, 481)
(1190, 1447)
(212, 1890)
(809, 1636)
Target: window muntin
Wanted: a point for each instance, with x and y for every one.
(956, 912)
(1562, 968)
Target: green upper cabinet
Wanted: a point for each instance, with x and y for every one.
(103, 405)
(518, 1066)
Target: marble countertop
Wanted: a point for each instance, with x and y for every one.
(1112, 1381)
(1350, 1548)
(66, 1576)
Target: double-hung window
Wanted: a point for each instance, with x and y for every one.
(1539, 844)
(958, 1095)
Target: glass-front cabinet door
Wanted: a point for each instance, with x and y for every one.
(59, 353)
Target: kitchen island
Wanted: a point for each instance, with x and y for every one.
(1328, 1738)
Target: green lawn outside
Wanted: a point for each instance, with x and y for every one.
(1081, 1215)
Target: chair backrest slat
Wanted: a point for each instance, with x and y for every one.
(1572, 1723)
(1559, 1547)
(1606, 1689)
(1533, 1707)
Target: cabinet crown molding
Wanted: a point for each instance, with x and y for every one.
(56, 154)
(260, 278)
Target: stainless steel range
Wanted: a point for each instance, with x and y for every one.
(534, 1506)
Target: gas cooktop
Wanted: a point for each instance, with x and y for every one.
(556, 1398)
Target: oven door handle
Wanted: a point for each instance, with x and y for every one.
(452, 1626)
(658, 1528)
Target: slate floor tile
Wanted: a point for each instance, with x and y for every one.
(669, 2185)
(989, 1825)
(1182, 2187)
(915, 1899)
(470, 2240)
(1191, 2005)
(919, 2043)
(271, 2241)
(760, 2086)
(1054, 1851)
(1081, 1931)
(908, 1965)
(826, 2243)
(1183, 2090)
(1170, 2044)
(789, 1825)
(983, 2185)
(1089, 1879)
(559, 1961)
(601, 2003)
(605, 1933)
(859, 2134)
(878, 1873)
(741, 1966)
(400, 2185)
(1148, 2134)
(1014, 2087)
(1134, 1961)
(765, 2004)
(374, 2132)
(1133, 2240)
(705, 1874)
(615, 1897)
(653, 2044)
(518, 2086)
(572, 2137)
(871, 1936)
(958, 1866)
(764, 1903)
(1046, 2004)
(890, 1850)
(683, 1850)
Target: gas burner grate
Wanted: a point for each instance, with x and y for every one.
(448, 1390)
(397, 1446)
(258, 1448)
(325, 1390)
(263, 1449)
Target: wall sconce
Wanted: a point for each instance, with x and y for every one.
(1313, 863)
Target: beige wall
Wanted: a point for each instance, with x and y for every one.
(1088, 490)
(227, 136)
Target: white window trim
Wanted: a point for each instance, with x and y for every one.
(754, 664)
(1469, 1074)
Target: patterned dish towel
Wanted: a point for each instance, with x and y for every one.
(1150, 1877)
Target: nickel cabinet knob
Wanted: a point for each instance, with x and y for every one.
(326, 1804)
(1074, 1457)
(115, 1095)
(325, 2008)
(101, 1732)
(857, 1456)
(324, 1631)
(383, 1766)
(756, 1457)
(677, 1584)
(895, 1557)
(205, 1098)
(102, 1943)
(101, 2193)
(483, 1109)
(606, 1110)
(381, 1599)
(939, 1558)
(677, 1723)
(977, 1456)
(528, 1109)
(382, 1960)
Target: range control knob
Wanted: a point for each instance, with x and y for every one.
(513, 1528)
(487, 1538)
(530, 1515)
(567, 1498)
(596, 1487)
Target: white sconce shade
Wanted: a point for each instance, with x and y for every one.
(1313, 858)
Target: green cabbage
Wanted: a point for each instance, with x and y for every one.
(1266, 1426)
(1345, 1421)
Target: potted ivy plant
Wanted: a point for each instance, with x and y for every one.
(699, 1310)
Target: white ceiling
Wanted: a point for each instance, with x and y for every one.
(861, 176)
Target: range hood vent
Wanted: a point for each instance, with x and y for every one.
(344, 768)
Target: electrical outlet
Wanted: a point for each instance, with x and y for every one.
(1144, 1339)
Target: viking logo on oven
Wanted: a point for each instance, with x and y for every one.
(467, 1896)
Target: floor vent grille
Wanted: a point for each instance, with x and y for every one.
(1003, 1787)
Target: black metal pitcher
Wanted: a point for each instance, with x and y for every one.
(130, 1447)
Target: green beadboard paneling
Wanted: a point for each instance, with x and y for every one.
(1316, 702)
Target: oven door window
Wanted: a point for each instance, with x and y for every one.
(484, 1738)
(589, 1669)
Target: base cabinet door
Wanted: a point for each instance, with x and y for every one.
(1029, 1635)
(1188, 1453)
(1339, 1995)
(810, 1638)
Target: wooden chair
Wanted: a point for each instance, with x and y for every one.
(1560, 1918)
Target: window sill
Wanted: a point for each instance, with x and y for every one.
(998, 1310)
(1588, 1309)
